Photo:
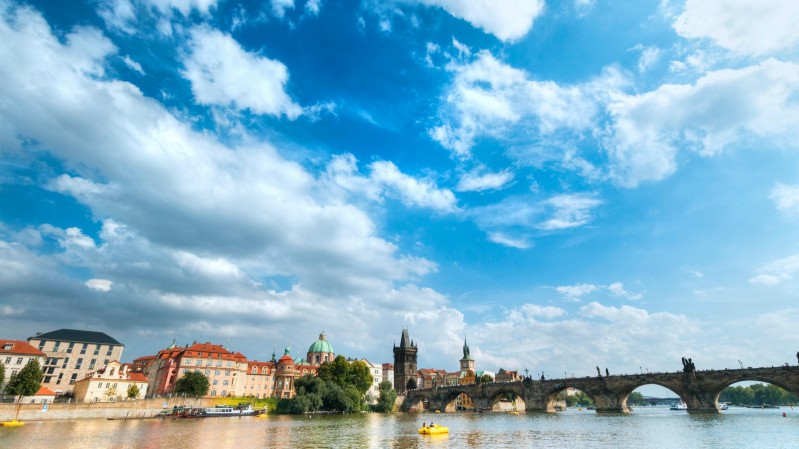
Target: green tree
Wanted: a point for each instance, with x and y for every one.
(193, 383)
(387, 398)
(360, 377)
(636, 398)
(27, 381)
(2, 373)
(486, 378)
(133, 391)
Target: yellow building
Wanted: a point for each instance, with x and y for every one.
(111, 383)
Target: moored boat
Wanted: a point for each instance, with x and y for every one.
(12, 423)
(222, 411)
(680, 406)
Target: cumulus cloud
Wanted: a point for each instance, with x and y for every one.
(478, 180)
(101, 285)
(222, 73)
(786, 198)
(777, 272)
(487, 97)
(575, 293)
(749, 27)
(508, 23)
(720, 109)
(191, 226)
(385, 179)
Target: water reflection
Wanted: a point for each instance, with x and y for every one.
(647, 427)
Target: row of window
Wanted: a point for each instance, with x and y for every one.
(8, 360)
(57, 347)
(199, 362)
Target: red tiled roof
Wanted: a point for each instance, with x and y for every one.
(44, 391)
(138, 377)
(18, 347)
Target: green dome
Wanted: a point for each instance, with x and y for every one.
(321, 346)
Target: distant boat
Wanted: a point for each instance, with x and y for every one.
(221, 411)
(723, 406)
(680, 406)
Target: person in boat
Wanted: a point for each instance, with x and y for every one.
(424, 424)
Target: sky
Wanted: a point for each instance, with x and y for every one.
(565, 185)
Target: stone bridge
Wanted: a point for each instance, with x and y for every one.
(699, 390)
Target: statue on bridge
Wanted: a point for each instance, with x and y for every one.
(688, 365)
(797, 357)
(598, 373)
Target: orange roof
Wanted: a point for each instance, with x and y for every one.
(18, 347)
(44, 391)
(138, 377)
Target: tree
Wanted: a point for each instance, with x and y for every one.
(486, 378)
(133, 391)
(193, 383)
(27, 381)
(360, 377)
(636, 398)
(387, 398)
(2, 373)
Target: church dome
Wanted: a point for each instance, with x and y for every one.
(321, 346)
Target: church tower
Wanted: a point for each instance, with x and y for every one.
(467, 362)
(405, 364)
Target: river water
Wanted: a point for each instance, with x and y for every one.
(646, 427)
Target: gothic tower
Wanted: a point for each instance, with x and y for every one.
(467, 362)
(405, 364)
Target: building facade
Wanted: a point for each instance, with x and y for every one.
(376, 370)
(114, 382)
(72, 354)
(15, 354)
(388, 373)
(225, 370)
(405, 364)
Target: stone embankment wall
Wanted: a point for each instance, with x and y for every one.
(99, 410)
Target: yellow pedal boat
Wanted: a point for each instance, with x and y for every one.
(12, 423)
(435, 429)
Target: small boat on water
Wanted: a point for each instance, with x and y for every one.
(680, 406)
(12, 423)
(723, 406)
(434, 429)
(222, 411)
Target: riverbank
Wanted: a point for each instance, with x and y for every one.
(144, 408)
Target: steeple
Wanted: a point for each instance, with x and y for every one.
(466, 355)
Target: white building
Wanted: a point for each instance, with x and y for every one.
(109, 384)
(15, 354)
(376, 370)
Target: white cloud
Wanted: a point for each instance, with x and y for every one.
(575, 292)
(786, 198)
(222, 73)
(509, 22)
(117, 14)
(649, 57)
(101, 285)
(506, 240)
(133, 65)
(184, 6)
(750, 27)
(385, 179)
(478, 181)
(279, 7)
(569, 211)
(777, 272)
(720, 109)
(487, 97)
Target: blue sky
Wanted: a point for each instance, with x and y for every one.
(565, 184)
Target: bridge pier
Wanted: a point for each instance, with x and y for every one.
(609, 403)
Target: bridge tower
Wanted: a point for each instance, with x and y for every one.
(405, 364)
(467, 362)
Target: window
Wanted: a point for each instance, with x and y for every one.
(41, 345)
(254, 370)
(216, 382)
(50, 370)
(19, 360)
(199, 362)
(219, 363)
(8, 360)
(60, 376)
(187, 361)
(83, 349)
(64, 366)
(207, 372)
(55, 346)
(216, 373)
(92, 363)
(73, 378)
(225, 383)
(110, 351)
(47, 379)
(97, 350)
(209, 363)
(227, 373)
(78, 363)
(71, 345)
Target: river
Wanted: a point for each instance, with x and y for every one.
(646, 427)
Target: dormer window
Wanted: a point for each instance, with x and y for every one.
(8, 346)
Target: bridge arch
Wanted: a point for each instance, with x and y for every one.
(775, 380)
(516, 401)
(450, 397)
